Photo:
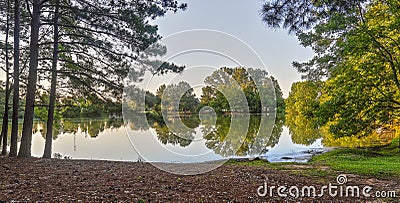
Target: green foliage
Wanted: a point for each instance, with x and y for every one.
(395, 143)
(363, 93)
(152, 102)
(90, 107)
(280, 102)
(321, 25)
(234, 89)
(71, 112)
(172, 98)
(100, 41)
(179, 97)
(301, 107)
(357, 54)
(3, 102)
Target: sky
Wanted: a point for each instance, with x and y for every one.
(276, 48)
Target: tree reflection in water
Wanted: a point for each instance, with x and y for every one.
(91, 127)
(255, 142)
(215, 131)
(170, 132)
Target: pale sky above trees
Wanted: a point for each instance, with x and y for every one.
(242, 19)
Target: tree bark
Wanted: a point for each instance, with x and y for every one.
(26, 140)
(50, 115)
(14, 128)
(4, 130)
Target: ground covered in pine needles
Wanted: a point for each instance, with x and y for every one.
(58, 180)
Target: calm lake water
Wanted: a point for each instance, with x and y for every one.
(159, 141)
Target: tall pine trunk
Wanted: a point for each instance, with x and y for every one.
(26, 139)
(14, 128)
(4, 130)
(50, 115)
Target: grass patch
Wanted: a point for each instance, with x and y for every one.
(382, 162)
(378, 162)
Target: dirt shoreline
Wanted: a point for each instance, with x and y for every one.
(57, 180)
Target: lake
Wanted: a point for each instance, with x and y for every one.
(161, 141)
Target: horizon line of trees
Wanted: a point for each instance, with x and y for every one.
(227, 90)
